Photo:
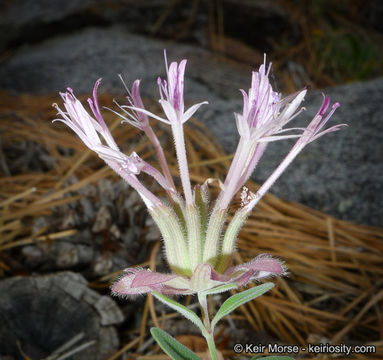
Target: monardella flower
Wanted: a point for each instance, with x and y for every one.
(172, 102)
(139, 119)
(198, 243)
(262, 120)
(172, 96)
(89, 131)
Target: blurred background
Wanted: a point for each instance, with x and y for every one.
(319, 43)
(68, 226)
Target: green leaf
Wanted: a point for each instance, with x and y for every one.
(238, 299)
(220, 289)
(277, 357)
(183, 310)
(171, 346)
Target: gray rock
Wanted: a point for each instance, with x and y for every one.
(43, 313)
(29, 20)
(23, 21)
(64, 61)
(339, 174)
(21, 13)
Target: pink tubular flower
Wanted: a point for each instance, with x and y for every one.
(172, 102)
(135, 118)
(171, 96)
(249, 199)
(140, 120)
(89, 130)
(262, 121)
(264, 112)
(139, 281)
(310, 134)
(78, 119)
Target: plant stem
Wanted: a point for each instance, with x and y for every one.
(208, 334)
(211, 345)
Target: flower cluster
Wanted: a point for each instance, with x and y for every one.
(198, 242)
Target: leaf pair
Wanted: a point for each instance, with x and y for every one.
(176, 350)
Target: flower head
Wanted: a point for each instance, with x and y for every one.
(172, 90)
(92, 132)
(135, 118)
(172, 96)
(264, 116)
(198, 243)
(79, 120)
(264, 111)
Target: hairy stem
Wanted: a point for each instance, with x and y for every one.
(212, 348)
(208, 334)
(179, 141)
